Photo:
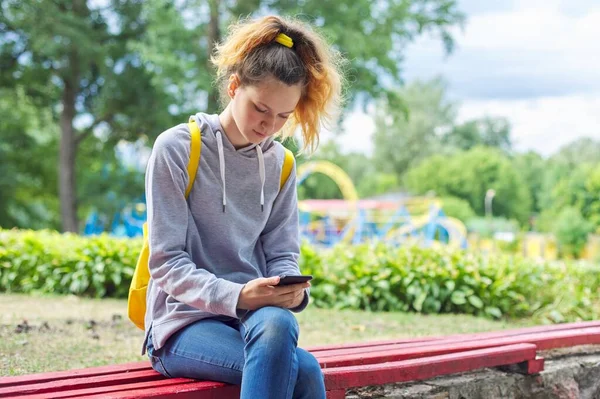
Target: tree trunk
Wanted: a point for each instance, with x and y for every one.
(66, 162)
(214, 36)
(68, 150)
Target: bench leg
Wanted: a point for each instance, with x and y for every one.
(337, 394)
(534, 366)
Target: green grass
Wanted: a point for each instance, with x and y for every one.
(67, 332)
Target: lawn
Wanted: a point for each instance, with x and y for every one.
(50, 333)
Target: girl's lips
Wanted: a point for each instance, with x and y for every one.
(259, 134)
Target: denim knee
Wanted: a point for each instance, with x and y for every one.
(271, 323)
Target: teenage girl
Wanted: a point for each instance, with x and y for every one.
(214, 307)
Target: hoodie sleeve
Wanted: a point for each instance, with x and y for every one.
(281, 236)
(170, 265)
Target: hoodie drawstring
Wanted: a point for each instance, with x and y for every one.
(261, 171)
(222, 166)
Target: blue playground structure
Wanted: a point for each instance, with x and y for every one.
(328, 222)
(126, 223)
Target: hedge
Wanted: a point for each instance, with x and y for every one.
(373, 277)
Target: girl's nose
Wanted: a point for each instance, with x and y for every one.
(268, 124)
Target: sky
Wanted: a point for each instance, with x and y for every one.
(535, 62)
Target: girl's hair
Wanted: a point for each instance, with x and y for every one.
(251, 52)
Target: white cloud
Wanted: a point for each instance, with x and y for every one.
(535, 62)
(542, 124)
(535, 27)
(356, 133)
(535, 50)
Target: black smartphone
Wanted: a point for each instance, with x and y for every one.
(287, 280)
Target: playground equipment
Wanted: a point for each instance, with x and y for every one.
(327, 222)
(126, 223)
(416, 219)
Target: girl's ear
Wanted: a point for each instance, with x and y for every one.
(232, 86)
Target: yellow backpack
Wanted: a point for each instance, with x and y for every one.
(136, 302)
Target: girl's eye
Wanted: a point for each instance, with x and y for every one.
(262, 111)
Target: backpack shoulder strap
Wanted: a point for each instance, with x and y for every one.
(196, 148)
(288, 164)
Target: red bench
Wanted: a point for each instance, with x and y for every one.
(344, 366)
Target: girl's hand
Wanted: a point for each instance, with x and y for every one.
(299, 296)
(262, 292)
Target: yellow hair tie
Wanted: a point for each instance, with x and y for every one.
(284, 39)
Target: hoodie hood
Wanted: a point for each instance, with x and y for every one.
(214, 124)
(215, 130)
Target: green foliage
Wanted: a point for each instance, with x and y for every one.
(381, 278)
(457, 208)
(401, 140)
(488, 168)
(532, 167)
(53, 263)
(577, 188)
(564, 181)
(488, 132)
(571, 231)
(107, 184)
(368, 277)
(28, 154)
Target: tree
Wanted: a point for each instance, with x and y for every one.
(75, 58)
(579, 190)
(489, 132)
(571, 231)
(564, 177)
(400, 142)
(577, 152)
(469, 175)
(27, 152)
(532, 168)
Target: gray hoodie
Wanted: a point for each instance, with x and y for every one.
(203, 250)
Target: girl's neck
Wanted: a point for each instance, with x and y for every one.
(231, 130)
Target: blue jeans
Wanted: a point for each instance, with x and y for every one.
(259, 352)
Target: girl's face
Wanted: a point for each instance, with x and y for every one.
(259, 111)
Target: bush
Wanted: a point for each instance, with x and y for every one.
(441, 280)
(571, 231)
(365, 277)
(50, 262)
(457, 208)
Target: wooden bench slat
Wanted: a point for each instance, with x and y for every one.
(85, 372)
(391, 353)
(470, 336)
(188, 391)
(161, 387)
(78, 382)
(315, 350)
(420, 369)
